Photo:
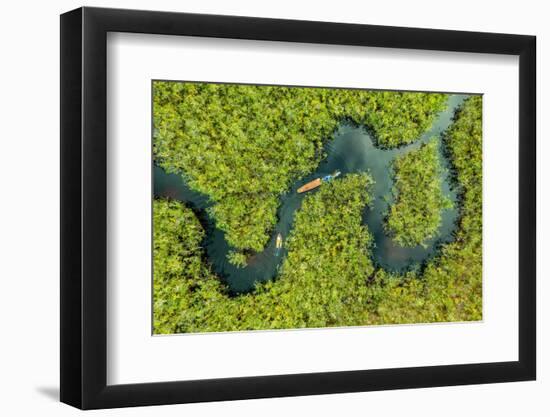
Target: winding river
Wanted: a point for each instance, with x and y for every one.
(351, 150)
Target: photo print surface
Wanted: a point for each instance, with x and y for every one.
(282, 207)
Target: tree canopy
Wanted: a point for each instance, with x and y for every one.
(322, 281)
(243, 145)
(450, 286)
(328, 277)
(415, 215)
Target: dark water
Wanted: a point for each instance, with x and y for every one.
(351, 150)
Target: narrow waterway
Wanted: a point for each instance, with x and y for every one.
(351, 150)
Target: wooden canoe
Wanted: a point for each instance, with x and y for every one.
(310, 185)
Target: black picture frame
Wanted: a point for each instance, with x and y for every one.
(84, 207)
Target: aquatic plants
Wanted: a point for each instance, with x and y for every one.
(396, 118)
(322, 281)
(450, 287)
(415, 216)
(243, 145)
(237, 258)
(177, 262)
(327, 277)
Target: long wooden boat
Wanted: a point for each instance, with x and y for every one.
(310, 185)
(317, 182)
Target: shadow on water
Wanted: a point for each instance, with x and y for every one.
(351, 150)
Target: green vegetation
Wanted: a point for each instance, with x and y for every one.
(397, 118)
(450, 288)
(416, 214)
(237, 258)
(244, 145)
(323, 280)
(177, 262)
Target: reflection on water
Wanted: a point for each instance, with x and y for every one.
(351, 150)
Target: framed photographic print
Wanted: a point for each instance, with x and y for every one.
(257, 207)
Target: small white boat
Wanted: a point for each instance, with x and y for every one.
(279, 241)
